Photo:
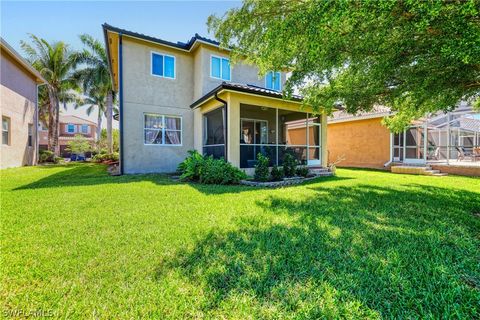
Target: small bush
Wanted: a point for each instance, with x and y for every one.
(218, 171)
(261, 168)
(46, 156)
(208, 170)
(289, 165)
(190, 167)
(302, 171)
(277, 174)
(106, 157)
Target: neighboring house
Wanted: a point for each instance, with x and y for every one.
(176, 97)
(361, 140)
(70, 126)
(18, 108)
(451, 138)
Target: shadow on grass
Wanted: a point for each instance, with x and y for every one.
(360, 251)
(88, 174)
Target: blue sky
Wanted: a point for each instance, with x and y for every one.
(65, 20)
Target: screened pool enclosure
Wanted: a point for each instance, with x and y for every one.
(449, 138)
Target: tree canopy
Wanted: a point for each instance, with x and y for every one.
(414, 56)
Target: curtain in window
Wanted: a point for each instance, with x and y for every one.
(172, 131)
(153, 129)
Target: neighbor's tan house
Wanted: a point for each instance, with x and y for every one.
(445, 141)
(18, 107)
(175, 97)
(69, 127)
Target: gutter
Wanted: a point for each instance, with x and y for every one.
(225, 126)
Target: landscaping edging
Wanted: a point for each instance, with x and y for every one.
(276, 184)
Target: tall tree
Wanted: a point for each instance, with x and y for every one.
(414, 56)
(95, 98)
(96, 74)
(55, 63)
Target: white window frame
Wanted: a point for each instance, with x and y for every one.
(164, 55)
(84, 126)
(280, 82)
(163, 144)
(8, 131)
(221, 72)
(74, 128)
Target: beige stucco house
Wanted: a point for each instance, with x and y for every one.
(18, 107)
(175, 97)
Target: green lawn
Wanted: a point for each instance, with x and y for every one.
(78, 243)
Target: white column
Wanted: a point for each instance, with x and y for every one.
(448, 138)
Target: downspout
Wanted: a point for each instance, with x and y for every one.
(120, 98)
(225, 126)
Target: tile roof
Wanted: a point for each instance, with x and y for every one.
(344, 116)
(179, 45)
(75, 120)
(247, 88)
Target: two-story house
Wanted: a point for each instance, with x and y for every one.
(174, 97)
(69, 127)
(18, 106)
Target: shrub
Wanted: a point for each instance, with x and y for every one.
(106, 157)
(218, 171)
(46, 156)
(277, 174)
(208, 170)
(289, 165)
(302, 171)
(190, 167)
(261, 168)
(79, 145)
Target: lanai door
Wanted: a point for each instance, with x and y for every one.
(414, 145)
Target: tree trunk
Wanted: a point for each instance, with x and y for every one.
(109, 121)
(51, 120)
(56, 128)
(99, 123)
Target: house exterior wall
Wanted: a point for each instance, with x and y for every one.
(364, 143)
(239, 72)
(18, 98)
(145, 93)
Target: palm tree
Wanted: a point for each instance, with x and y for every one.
(96, 98)
(97, 74)
(55, 63)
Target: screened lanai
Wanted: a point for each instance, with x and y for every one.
(444, 138)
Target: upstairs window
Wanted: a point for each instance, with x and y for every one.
(84, 128)
(6, 130)
(272, 80)
(163, 65)
(70, 128)
(220, 68)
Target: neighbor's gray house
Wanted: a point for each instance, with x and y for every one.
(18, 107)
(175, 97)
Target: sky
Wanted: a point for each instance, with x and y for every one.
(65, 20)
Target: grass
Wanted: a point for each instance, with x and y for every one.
(77, 243)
